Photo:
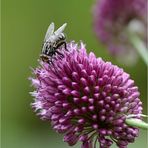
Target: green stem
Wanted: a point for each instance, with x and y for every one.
(135, 122)
(139, 46)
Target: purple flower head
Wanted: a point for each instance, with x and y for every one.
(86, 99)
(113, 19)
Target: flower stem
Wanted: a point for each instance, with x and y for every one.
(139, 46)
(135, 122)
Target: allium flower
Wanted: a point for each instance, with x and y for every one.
(86, 99)
(114, 19)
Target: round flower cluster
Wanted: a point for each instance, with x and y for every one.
(114, 20)
(86, 98)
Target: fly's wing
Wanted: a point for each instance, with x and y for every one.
(60, 30)
(49, 32)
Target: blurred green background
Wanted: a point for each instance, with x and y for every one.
(24, 23)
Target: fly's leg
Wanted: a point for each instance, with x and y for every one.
(65, 45)
(63, 42)
(59, 53)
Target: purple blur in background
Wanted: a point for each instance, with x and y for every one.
(113, 19)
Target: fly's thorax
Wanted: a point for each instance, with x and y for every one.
(46, 47)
